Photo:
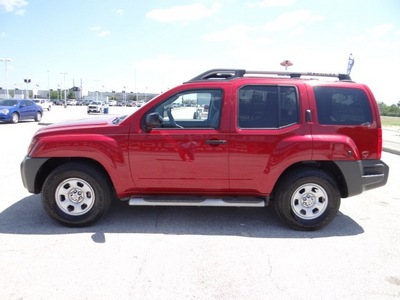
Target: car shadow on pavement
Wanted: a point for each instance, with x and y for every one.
(28, 217)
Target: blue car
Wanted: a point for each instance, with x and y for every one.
(13, 110)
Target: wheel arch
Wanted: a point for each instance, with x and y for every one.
(55, 162)
(329, 167)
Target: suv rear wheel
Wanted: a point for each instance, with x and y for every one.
(307, 199)
(76, 194)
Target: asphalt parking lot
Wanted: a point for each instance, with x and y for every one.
(193, 253)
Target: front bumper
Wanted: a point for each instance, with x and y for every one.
(30, 170)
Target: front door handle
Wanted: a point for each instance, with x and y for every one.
(215, 142)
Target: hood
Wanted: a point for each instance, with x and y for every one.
(90, 123)
(7, 106)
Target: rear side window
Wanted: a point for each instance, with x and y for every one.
(342, 106)
(267, 106)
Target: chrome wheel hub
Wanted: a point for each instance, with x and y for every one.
(75, 196)
(309, 201)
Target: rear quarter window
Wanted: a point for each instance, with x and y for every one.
(342, 106)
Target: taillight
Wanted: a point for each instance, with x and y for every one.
(379, 146)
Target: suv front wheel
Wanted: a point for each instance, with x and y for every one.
(76, 194)
(307, 199)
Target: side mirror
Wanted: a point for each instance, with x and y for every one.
(152, 120)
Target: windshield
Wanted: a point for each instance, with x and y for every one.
(8, 102)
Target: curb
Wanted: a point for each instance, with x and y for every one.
(391, 150)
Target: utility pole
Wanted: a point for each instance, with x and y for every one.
(5, 71)
(65, 91)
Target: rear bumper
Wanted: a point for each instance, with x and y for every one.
(363, 175)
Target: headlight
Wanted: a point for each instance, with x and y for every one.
(4, 111)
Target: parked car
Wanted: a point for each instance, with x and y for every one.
(280, 137)
(59, 102)
(71, 102)
(112, 102)
(13, 110)
(44, 103)
(96, 107)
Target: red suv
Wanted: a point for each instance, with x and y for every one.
(227, 137)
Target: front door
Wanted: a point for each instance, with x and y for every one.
(188, 153)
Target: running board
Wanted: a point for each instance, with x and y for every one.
(198, 201)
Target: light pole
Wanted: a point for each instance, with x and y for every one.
(59, 91)
(65, 91)
(97, 89)
(48, 82)
(27, 81)
(5, 71)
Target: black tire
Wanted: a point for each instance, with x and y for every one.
(38, 116)
(307, 199)
(15, 118)
(77, 194)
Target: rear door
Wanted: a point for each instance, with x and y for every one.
(270, 134)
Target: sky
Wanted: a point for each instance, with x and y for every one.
(154, 45)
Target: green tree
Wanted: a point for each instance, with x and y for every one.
(71, 94)
(54, 94)
(392, 110)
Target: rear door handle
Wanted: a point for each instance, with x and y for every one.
(215, 142)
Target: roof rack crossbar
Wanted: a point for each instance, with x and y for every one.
(234, 73)
(220, 74)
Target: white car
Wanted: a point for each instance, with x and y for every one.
(95, 107)
(44, 103)
(71, 102)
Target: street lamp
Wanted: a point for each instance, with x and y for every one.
(65, 91)
(27, 81)
(5, 71)
(97, 89)
(48, 82)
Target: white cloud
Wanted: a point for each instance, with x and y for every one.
(104, 33)
(292, 19)
(100, 32)
(94, 28)
(20, 12)
(183, 12)
(271, 3)
(380, 30)
(119, 12)
(10, 5)
(234, 33)
(170, 72)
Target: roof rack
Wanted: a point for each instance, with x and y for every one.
(227, 74)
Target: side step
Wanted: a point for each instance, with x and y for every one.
(198, 201)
